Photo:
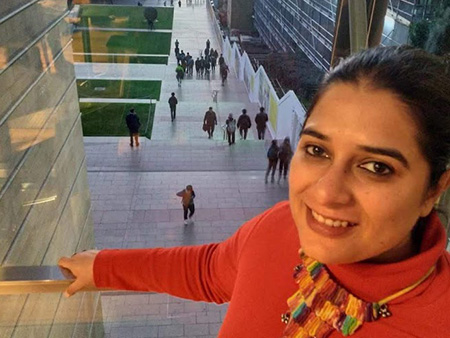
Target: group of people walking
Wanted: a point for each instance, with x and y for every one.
(243, 124)
(278, 154)
(204, 64)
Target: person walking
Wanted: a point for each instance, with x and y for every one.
(197, 67)
(261, 119)
(213, 60)
(173, 106)
(231, 129)
(208, 44)
(244, 123)
(272, 157)
(187, 200)
(133, 125)
(284, 156)
(224, 73)
(202, 66)
(180, 74)
(210, 121)
(221, 60)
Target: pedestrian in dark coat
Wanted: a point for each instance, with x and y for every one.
(284, 156)
(197, 66)
(210, 121)
(244, 123)
(224, 72)
(221, 60)
(208, 44)
(261, 119)
(272, 157)
(133, 125)
(173, 106)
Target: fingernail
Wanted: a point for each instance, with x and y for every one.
(66, 294)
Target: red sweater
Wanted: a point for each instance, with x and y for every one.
(253, 271)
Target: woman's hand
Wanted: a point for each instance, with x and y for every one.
(81, 265)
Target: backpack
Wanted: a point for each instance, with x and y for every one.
(231, 126)
(272, 154)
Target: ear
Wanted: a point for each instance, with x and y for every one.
(435, 193)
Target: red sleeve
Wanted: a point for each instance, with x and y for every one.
(203, 273)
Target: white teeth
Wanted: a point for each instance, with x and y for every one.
(328, 221)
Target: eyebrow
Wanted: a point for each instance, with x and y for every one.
(314, 133)
(374, 150)
(387, 152)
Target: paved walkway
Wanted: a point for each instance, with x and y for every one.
(133, 189)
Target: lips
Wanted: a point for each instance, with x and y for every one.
(329, 221)
(329, 227)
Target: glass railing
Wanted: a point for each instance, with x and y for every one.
(32, 305)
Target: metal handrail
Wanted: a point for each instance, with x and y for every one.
(16, 280)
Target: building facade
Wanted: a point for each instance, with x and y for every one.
(44, 195)
(310, 25)
(290, 25)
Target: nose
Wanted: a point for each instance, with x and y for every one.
(333, 187)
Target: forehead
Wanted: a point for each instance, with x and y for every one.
(367, 116)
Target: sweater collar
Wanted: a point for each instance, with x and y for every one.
(372, 282)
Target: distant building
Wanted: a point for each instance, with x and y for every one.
(289, 25)
(310, 25)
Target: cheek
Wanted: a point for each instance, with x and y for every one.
(392, 213)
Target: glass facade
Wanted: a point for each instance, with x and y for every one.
(291, 24)
(44, 194)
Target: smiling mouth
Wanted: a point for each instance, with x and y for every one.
(333, 223)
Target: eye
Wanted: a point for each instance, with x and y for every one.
(378, 168)
(315, 151)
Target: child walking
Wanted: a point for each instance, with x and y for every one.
(187, 200)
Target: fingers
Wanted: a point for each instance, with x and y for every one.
(73, 288)
(79, 267)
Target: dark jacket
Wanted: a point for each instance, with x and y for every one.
(244, 122)
(210, 118)
(173, 101)
(272, 153)
(260, 120)
(285, 153)
(133, 123)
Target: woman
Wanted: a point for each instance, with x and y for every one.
(371, 162)
(284, 156)
(272, 160)
(187, 200)
(231, 129)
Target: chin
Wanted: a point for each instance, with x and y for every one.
(329, 256)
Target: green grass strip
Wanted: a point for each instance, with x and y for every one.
(121, 42)
(108, 119)
(112, 58)
(124, 89)
(123, 17)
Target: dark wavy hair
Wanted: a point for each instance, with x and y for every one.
(419, 79)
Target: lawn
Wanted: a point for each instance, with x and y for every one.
(114, 58)
(123, 17)
(119, 89)
(108, 119)
(121, 42)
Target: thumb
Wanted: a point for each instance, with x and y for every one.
(73, 288)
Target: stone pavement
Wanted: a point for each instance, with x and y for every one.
(133, 189)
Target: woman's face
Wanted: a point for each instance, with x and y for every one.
(358, 180)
